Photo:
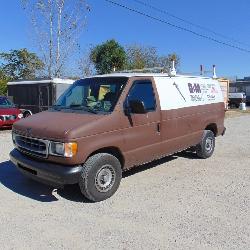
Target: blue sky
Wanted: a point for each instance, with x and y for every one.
(105, 21)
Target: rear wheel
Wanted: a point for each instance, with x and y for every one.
(101, 176)
(206, 147)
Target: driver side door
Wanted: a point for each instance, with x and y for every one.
(142, 131)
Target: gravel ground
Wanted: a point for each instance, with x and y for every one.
(179, 202)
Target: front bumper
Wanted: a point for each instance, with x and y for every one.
(7, 123)
(49, 173)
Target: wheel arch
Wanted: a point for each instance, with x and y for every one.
(212, 127)
(25, 112)
(113, 151)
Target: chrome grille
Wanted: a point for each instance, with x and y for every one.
(32, 146)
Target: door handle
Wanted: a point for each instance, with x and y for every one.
(158, 127)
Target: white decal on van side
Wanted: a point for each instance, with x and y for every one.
(181, 92)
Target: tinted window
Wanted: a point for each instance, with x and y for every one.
(143, 91)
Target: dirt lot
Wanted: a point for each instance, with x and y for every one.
(179, 202)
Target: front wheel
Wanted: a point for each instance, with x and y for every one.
(26, 114)
(101, 176)
(206, 147)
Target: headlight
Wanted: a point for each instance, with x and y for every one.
(20, 116)
(63, 149)
(57, 148)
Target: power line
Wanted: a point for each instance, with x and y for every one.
(188, 22)
(177, 26)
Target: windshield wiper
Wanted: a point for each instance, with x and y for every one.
(79, 107)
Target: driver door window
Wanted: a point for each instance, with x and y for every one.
(143, 91)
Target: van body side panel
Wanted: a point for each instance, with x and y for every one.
(184, 127)
(177, 131)
(188, 106)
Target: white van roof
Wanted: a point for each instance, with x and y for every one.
(132, 74)
(36, 81)
(147, 75)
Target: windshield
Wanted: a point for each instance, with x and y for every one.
(4, 102)
(99, 94)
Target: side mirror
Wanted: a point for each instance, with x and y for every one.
(137, 107)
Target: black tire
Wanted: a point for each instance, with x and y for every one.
(26, 114)
(206, 147)
(101, 177)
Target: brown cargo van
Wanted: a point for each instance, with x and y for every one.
(106, 124)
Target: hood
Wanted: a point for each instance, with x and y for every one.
(9, 111)
(61, 125)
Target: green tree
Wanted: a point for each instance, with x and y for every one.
(3, 82)
(21, 64)
(108, 56)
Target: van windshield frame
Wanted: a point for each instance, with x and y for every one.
(94, 95)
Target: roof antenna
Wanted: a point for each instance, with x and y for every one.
(173, 70)
(214, 72)
(201, 70)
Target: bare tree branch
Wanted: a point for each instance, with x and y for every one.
(57, 25)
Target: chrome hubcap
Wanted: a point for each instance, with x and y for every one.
(209, 145)
(105, 178)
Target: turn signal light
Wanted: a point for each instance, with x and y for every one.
(70, 149)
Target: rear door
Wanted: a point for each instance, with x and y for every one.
(142, 131)
(44, 94)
